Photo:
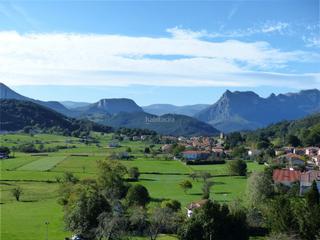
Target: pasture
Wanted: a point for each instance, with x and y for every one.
(37, 176)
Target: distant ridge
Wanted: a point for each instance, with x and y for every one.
(18, 114)
(7, 93)
(188, 110)
(111, 106)
(236, 111)
(168, 124)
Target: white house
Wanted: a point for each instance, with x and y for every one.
(195, 205)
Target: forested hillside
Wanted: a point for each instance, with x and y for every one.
(24, 115)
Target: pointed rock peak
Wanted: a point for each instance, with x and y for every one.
(227, 92)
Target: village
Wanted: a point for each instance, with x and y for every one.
(292, 165)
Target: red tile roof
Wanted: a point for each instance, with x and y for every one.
(286, 175)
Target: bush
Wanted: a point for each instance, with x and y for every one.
(138, 195)
(134, 173)
(186, 185)
(16, 192)
(174, 205)
(238, 167)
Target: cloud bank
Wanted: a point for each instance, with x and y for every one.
(182, 59)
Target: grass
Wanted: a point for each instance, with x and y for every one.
(37, 175)
(26, 220)
(43, 164)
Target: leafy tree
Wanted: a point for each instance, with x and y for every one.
(280, 217)
(313, 136)
(177, 149)
(186, 185)
(260, 188)
(69, 178)
(111, 226)
(147, 150)
(234, 139)
(138, 195)
(5, 150)
(206, 189)
(161, 220)
(237, 167)
(134, 173)
(239, 152)
(313, 196)
(193, 175)
(307, 219)
(111, 179)
(16, 192)
(263, 144)
(214, 221)
(293, 140)
(138, 220)
(204, 175)
(174, 205)
(83, 209)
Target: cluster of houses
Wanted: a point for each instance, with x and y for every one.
(199, 148)
(308, 157)
(297, 159)
(288, 177)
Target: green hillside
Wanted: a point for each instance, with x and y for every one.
(306, 129)
(21, 115)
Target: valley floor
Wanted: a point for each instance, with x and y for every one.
(38, 175)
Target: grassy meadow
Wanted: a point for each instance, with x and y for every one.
(37, 176)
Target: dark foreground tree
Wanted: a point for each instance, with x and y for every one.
(313, 196)
(83, 209)
(214, 222)
(161, 220)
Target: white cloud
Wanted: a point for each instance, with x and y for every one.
(265, 28)
(115, 60)
(279, 27)
(312, 41)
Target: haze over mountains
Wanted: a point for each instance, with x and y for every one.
(188, 110)
(234, 111)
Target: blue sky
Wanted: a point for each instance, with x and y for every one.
(180, 52)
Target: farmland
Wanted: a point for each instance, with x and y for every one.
(37, 175)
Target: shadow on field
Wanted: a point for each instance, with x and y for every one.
(222, 192)
(195, 194)
(159, 200)
(147, 179)
(218, 183)
(28, 201)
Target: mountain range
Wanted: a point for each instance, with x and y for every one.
(234, 111)
(7, 93)
(117, 113)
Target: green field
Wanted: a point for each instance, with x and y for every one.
(37, 175)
